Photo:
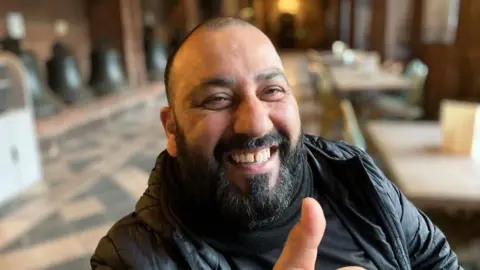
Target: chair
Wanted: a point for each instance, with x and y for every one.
(409, 105)
(351, 129)
(331, 111)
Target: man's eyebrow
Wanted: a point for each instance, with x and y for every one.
(269, 74)
(219, 81)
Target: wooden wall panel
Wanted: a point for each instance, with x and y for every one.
(415, 42)
(331, 23)
(443, 79)
(353, 8)
(455, 68)
(378, 21)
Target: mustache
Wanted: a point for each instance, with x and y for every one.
(242, 141)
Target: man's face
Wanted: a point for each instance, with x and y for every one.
(235, 128)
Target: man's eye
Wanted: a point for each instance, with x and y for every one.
(273, 94)
(217, 103)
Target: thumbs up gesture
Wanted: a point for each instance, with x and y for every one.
(300, 251)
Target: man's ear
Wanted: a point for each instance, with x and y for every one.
(168, 121)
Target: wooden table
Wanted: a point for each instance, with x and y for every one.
(352, 79)
(327, 58)
(412, 155)
(331, 60)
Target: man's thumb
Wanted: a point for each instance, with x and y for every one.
(300, 251)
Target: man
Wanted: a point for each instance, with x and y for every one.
(238, 177)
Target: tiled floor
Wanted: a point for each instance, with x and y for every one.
(95, 180)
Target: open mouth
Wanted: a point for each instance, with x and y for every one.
(252, 156)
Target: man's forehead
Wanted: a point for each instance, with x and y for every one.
(241, 50)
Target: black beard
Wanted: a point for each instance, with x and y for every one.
(204, 182)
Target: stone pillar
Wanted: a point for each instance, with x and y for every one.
(120, 23)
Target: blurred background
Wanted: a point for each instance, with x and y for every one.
(81, 84)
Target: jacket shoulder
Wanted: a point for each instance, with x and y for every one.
(343, 151)
(132, 244)
(338, 150)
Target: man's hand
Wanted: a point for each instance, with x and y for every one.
(300, 251)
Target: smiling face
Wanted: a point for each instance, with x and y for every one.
(235, 126)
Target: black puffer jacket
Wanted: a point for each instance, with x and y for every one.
(374, 210)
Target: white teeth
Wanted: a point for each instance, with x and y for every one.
(259, 156)
(254, 157)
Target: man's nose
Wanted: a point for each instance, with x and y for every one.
(252, 118)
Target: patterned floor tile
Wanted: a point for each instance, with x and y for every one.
(133, 180)
(88, 222)
(55, 227)
(81, 144)
(116, 201)
(51, 228)
(102, 186)
(79, 164)
(80, 209)
(44, 255)
(89, 238)
(142, 160)
(14, 204)
(81, 263)
(130, 136)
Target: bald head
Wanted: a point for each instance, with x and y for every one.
(199, 32)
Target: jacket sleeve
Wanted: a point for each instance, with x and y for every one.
(427, 246)
(106, 256)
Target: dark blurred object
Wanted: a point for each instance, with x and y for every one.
(107, 73)
(12, 45)
(210, 8)
(155, 55)
(177, 37)
(44, 102)
(287, 31)
(64, 77)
